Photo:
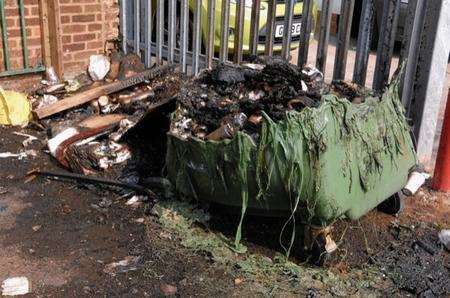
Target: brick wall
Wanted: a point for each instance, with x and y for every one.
(86, 25)
(14, 34)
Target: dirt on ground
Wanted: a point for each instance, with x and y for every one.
(81, 241)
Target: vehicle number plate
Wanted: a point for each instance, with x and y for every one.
(295, 30)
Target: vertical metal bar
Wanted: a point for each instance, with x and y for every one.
(4, 36)
(431, 77)
(270, 27)
(305, 32)
(159, 30)
(148, 32)
(363, 43)
(345, 27)
(23, 31)
(225, 23)
(254, 26)
(184, 22)
(172, 18)
(410, 49)
(239, 31)
(391, 10)
(324, 35)
(287, 29)
(196, 48)
(123, 25)
(137, 27)
(211, 33)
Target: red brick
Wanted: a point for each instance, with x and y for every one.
(84, 37)
(84, 56)
(74, 28)
(74, 47)
(95, 45)
(91, 8)
(66, 39)
(83, 18)
(94, 27)
(70, 9)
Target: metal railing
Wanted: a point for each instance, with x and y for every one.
(8, 68)
(182, 35)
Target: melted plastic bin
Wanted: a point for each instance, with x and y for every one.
(337, 160)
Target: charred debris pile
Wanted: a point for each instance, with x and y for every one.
(231, 98)
(112, 122)
(87, 117)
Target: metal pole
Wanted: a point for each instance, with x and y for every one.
(324, 35)
(305, 32)
(184, 27)
(159, 30)
(148, 33)
(391, 10)
(172, 18)
(225, 22)
(123, 24)
(137, 27)
(431, 76)
(197, 37)
(287, 29)
(211, 33)
(441, 179)
(345, 26)
(254, 26)
(5, 36)
(239, 31)
(410, 49)
(270, 28)
(363, 44)
(23, 31)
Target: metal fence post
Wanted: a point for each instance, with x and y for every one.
(305, 32)
(287, 32)
(363, 43)
(324, 35)
(345, 26)
(431, 70)
(391, 10)
(137, 27)
(410, 49)
(224, 34)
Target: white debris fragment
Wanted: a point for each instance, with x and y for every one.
(415, 181)
(139, 220)
(51, 76)
(134, 199)
(20, 155)
(73, 85)
(130, 263)
(312, 71)
(47, 100)
(54, 143)
(444, 238)
(99, 66)
(304, 86)
(16, 286)
(111, 154)
(256, 95)
(29, 139)
(254, 66)
(124, 126)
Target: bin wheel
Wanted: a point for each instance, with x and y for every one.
(319, 253)
(393, 205)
